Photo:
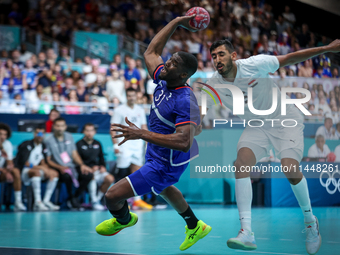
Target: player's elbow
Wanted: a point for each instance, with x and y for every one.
(186, 146)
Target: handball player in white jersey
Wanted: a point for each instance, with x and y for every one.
(130, 155)
(256, 142)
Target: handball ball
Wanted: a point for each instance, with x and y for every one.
(331, 157)
(202, 19)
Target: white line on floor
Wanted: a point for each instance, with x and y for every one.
(268, 252)
(215, 236)
(70, 231)
(262, 238)
(144, 234)
(290, 240)
(332, 242)
(167, 234)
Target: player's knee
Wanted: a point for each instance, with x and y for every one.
(34, 173)
(109, 178)
(111, 196)
(16, 173)
(53, 174)
(88, 177)
(294, 181)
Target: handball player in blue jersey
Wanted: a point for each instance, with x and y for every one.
(174, 121)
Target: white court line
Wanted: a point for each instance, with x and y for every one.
(46, 230)
(262, 238)
(144, 233)
(290, 240)
(70, 231)
(332, 242)
(167, 234)
(215, 236)
(95, 252)
(268, 252)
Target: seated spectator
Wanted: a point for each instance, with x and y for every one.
(63, 156)
(73, 108)
(91, 152)
(131, 72)
(18, 83)
(82, 94)
(16, 59)
(319, 72)
(7, 171)
(306, 70)
(17, 107)
(337, 130)
(53, 115)
(115, 88)
(4, 105)
(31, 161)
(327, 131)
(67, 87)
(335, 73)
(319, 149)
(324, 106)
(30, 73)
(337, 153)
(326, 71)
(283, 81)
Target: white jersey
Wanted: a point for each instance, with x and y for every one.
(36, 155)
(8, 148)
(251, 72)
(315, 152)
(137, 116)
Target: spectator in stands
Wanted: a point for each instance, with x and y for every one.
(51, 57)
(44, 73)
(64, 56)
(337, 130)
(17, 107)
(324, 106)
(73, 108)
(335, 73)
(306, 70)
(67, 87)
(53, 115)
(327, 130)
(16, 59)
(31, 161)
(289, 16)
(131, 72)
(319, 72)
(5, 84)
(337, 153)
(91, 152)
(319, 149)
(30, 74)
(314, 99)
(18, 82)
(7, 171)
(283, 81)
(4, 106)
(115, 88)
(326, 71)
(82, 93)
(63, 156)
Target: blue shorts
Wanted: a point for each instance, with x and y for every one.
(154, 177)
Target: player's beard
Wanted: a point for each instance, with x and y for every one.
(228, 67)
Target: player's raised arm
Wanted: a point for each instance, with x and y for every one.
(302, 55)
(153, 53)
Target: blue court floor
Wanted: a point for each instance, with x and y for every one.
(277, 231)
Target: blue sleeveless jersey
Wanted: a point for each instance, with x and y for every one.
(172, 108)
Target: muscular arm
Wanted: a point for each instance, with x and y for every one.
(181, 140)
(302, 55)
(154, 51)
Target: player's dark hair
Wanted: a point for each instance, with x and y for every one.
(5, 127)
(130, 89)
(40, 126)
(227, 44)
(54, 110)
(189, 64)
(88, 125)
(59, 119)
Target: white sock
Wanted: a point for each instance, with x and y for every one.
(302, 195)
(244, 197)
(51, 184)
(100, 195)
(92, 186)
(18, 197)
(36, 185)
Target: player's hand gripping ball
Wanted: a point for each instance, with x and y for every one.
(202, 19)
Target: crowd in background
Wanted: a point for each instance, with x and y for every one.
(251, 27)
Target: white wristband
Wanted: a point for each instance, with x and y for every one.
(116, 146)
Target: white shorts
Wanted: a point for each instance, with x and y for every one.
(99, 177)
(127, 157)
(287, 142)
(26, 179)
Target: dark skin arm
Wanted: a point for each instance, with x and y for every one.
(152, 55)
(181, 140)
(302, 55)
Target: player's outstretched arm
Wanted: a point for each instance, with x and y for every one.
(152, 55)
(181, 140)
(302, 55)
